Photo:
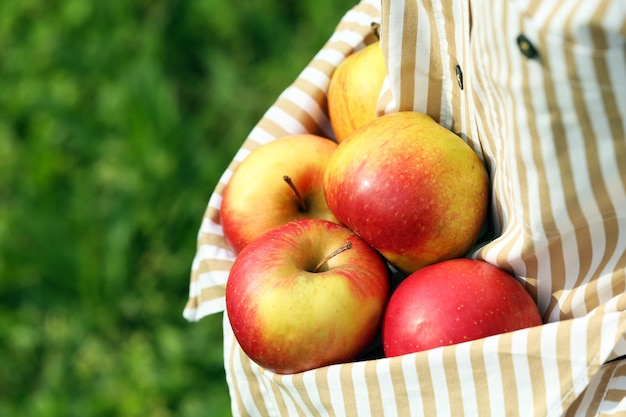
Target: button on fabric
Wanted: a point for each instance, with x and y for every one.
(526, 47)
(459, 76)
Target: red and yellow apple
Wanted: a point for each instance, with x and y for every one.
(354, 89)
(306, 294)
(455, 301)
(277, 182)
(410, 187)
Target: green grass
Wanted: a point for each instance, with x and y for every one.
(116, 121)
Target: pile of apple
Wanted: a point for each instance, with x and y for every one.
(322, 228)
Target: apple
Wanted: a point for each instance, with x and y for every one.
(306, 294)
(354, 89)
(455, 301)
(409, 187)
(277, 182)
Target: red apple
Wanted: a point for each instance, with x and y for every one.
(354, 89)
(455, 301)
(277, 182)
(306, 294)
(409, 187)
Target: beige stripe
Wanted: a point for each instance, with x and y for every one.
(272, 127)
(436, 67)
(453, 51)
(323, 389)
(453, 381)
(301, 393)
(564, 337)
(426, 387)
(399, 386)
(371, 378)
(347, 388)
(369, 10)
(618, 278)
(357, 27)
(479, 371)
(407, 81)
(215, 265)
(313, 91)
(212, 239)
(384, 27)
(273, 384)
(599, 39)
(535, 369)
(507, 375)
(210, 293)
(298, 113)
(234, 387)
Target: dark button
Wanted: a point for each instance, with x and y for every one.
(526, 47)
(459, 76)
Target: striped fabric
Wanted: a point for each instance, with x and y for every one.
(538, 89)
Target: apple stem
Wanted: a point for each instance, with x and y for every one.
(301, 203)
(376, 29)
(334, 253)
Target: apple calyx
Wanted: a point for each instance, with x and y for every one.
(331, 255)
(302, 206)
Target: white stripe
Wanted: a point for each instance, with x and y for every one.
(493, 371)
(447, 83)
(413, 391)
(298, 97)
(209, 307)
(336, 392)
(422, 60)
(610, 323)
(361, 392)
(285, 120)
(207, 280)
(258, 135)
(210, 227)
(394, 59)
(466, 379)
(215, 201)
(213, 252)
(578, 355)
(283, 390)
(329, 55)
(550, 368)
(286, 384)
(521, 370)
(238, 374)
(312, 390)
(385, 384)
(439, 381)
(241, 154)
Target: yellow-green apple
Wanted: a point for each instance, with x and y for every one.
(306, 294)
(354, 89)
(455, 301)
(277, 182)
(410, 187)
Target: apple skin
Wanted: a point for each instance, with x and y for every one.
(455, 301)
(257, 198)
(411, 188)
(354, 89)
(289, 319)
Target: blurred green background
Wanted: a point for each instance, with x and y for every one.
(116, 121)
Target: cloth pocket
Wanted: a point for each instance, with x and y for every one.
(572, 365)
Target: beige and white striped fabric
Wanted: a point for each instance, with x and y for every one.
(538, 89)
